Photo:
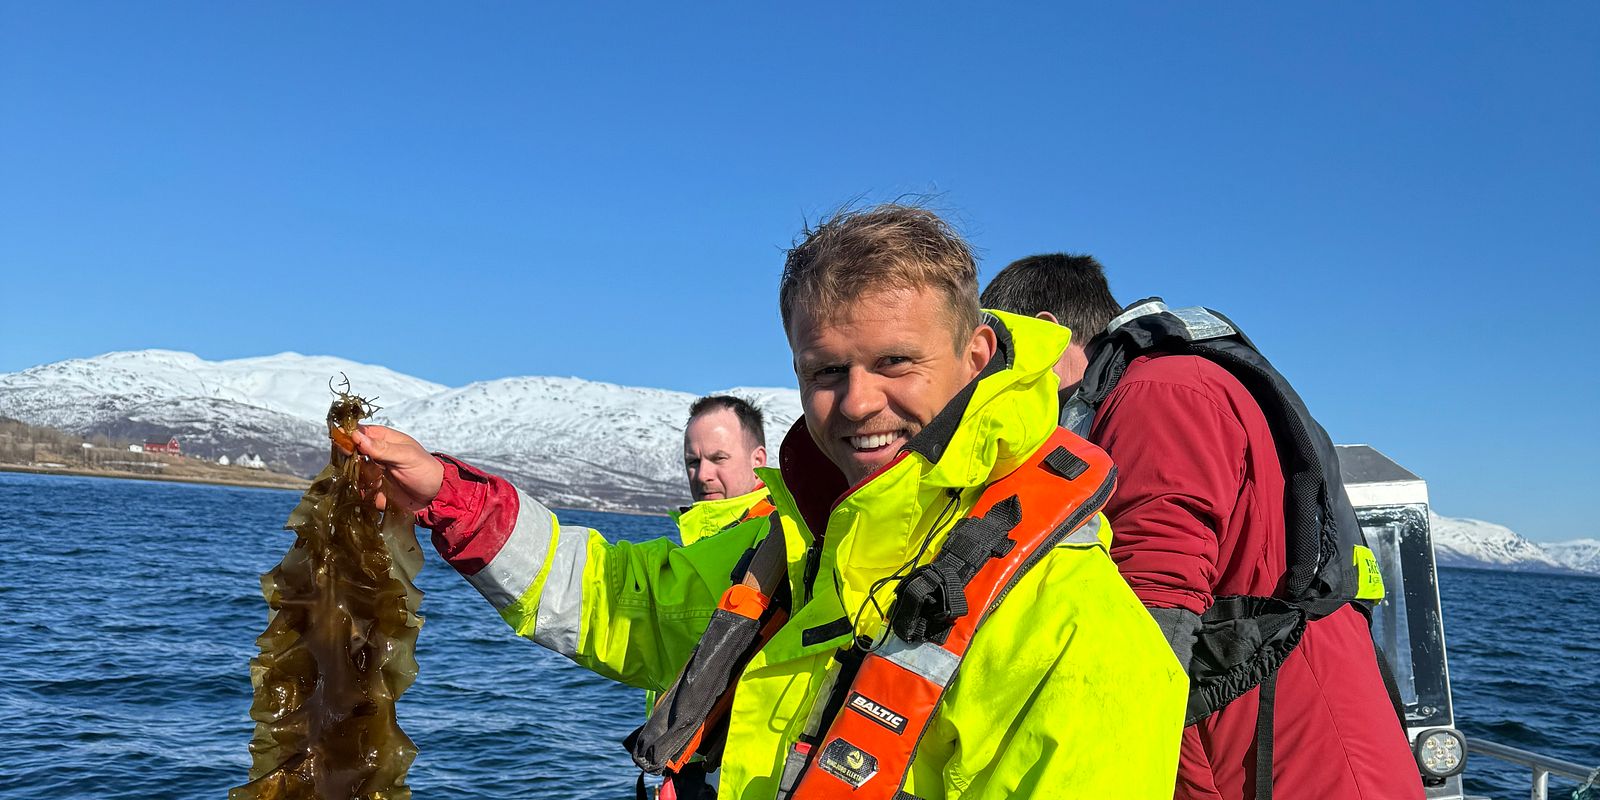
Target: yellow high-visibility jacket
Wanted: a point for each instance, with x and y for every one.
(706, 517)
(1068, 689)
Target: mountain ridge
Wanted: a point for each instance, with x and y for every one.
(570, 441)
(581, 443)
(1476, 544)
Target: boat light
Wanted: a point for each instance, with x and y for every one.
(1441, 752)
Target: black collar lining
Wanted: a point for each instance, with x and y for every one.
(933, 440)
(816, 484)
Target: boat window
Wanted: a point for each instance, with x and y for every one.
(1391, 628)
(1407, 625)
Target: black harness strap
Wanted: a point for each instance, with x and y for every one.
(933, 596)
(1268, 700)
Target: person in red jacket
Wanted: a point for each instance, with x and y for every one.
(1199, 513)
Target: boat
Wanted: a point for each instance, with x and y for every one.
(1391, 504)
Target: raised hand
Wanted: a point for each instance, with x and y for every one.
(414, 475)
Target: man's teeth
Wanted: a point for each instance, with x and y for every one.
(872, 442)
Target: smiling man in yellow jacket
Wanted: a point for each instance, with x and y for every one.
(915, 404)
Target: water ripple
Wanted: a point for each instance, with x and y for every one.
(124, 653)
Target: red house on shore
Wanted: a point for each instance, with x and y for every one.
(170, 446)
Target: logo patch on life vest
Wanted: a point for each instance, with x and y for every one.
(1369, 579)
(877, 713)
(847, 762)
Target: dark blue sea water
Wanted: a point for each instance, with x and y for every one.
(129, 611)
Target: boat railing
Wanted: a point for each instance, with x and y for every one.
(1542, 766)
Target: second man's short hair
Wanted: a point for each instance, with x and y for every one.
(750, 418)
(1072, 287)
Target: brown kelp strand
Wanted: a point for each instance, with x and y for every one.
(340, 644)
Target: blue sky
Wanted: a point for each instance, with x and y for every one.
(1401, 205)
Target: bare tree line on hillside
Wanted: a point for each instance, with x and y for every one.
(21, 443)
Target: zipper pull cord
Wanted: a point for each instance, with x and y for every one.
(945, 518)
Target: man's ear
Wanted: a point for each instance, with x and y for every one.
(758, 457)
(981, 349)
(1048, 317)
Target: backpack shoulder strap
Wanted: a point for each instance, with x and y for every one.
(1146, 326)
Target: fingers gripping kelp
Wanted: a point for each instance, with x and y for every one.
(340, 642)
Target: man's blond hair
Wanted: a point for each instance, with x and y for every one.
(883, 248)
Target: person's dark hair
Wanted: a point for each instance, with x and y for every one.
(886, 247)
(1072, 287)
(749, 416)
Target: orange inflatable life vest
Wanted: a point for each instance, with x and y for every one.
(876, 715)
(866, 751)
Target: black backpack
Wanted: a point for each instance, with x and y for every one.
(1243, 640)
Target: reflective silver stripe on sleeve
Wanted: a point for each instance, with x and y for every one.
(1087, 533)
(561, 599)
(507, 577)
(926, 659)
(1202, 324)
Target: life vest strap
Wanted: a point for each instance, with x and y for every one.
(869, 743)
(689, 718)
(933, 596)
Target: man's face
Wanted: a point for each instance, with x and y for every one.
(874, 373)
(720, 457)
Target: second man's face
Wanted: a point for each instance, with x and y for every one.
(876, 372)
(720, 457)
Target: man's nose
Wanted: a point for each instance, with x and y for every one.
(863, 395)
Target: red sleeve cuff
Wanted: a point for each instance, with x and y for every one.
(471, 517)
(456, 497)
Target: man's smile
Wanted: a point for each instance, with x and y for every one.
(869, 442)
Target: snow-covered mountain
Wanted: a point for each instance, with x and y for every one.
(1475, 543)
(573, 442)
(1582, 555)
(569, 441)
(271, 405)
(67, 394)
(1484, 545)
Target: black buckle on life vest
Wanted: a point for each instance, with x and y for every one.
(934, 596)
